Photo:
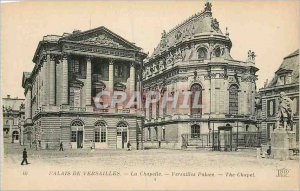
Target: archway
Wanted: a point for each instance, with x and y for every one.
(77, 134)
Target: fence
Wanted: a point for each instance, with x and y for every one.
(218, 141)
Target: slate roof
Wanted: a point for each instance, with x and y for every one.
(290, 63)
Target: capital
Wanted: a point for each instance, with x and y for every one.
(89, 58)
(132, 64)
(64, 56)
(52, 57)
(111, 61)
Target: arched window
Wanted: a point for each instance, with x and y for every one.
(217, 52)
(202, 53)
(75, 136)
(77, 123)
(122, 124)
(195, 131)
(233, 100)
(100, 132)
(196, 99)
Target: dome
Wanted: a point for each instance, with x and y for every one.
(201, 26)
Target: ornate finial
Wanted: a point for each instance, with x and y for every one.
(207, 7)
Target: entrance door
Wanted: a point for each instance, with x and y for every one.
(124, 139)
(79, 139)
(225, 138)
(121, 139)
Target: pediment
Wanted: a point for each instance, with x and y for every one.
(282, 70)
(102, 37)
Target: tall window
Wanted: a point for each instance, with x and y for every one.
(233, 100)
(76, 123)
(195, 131)
(78, 67)
(202, 53)
(196, 99)
(100, 132)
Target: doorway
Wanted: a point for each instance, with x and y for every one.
(225, 138)
(80, 139)
(122, 136)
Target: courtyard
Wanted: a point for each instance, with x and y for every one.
(142, 167)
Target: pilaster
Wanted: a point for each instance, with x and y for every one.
(52, 80)
(88, 88)
(65, 80)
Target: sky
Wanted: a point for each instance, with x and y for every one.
(269, 28)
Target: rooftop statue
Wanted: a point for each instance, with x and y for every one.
(207, 6)
(285, 113)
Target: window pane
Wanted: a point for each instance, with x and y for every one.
(73, 136)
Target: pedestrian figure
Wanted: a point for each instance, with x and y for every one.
(24, 157)
(91, 145)
(128, 146)
(269, 151)
(61, 148)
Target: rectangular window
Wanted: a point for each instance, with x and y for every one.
(195, 131)
(103, 136)
(73, 136)
(271, 108)
(97, 136)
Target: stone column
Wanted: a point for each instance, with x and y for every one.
(44, 100)
(111, 76)
(52, 80)
(65, 80)
(110, 87)
(88, 88)
(132, 78)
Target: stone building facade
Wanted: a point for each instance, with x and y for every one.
(286, 80)
(70, 70)
(195, 56)
(13, 119)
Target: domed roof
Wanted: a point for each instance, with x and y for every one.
(199, 24)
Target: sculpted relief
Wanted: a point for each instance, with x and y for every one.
(102, 39)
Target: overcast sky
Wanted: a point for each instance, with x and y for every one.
(269, 28)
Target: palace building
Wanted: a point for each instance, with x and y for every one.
(13, 110)
(69, 71)
(286, 80)
(195, 56)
